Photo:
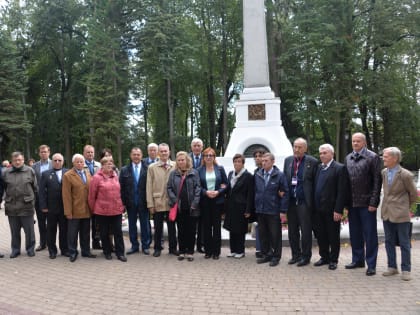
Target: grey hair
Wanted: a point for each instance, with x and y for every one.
(59, 155)
(301, 140)
(77, 156)
(197, 140)
(327, 146)
(395, 152)
(152, 145)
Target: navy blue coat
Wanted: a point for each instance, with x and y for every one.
(221, 178)
(267, 199)
(127, 183)
(50, 192)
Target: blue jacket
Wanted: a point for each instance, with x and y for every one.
(267, 199)
(221, 178)
(129, 187)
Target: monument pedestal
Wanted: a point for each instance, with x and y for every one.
(258, 125)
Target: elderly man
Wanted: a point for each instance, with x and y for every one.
(364, 169)
(76, 207)
(44, 164)
(51, 203)
(158, 201)
(271, 201)
(152, 154)
(133, 178)
(331, 190)
(300, 170)
(400, 194)
(92, 166)
(21, 188)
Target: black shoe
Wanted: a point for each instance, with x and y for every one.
(122, 258)
(263, 260)
(321, 262)
(332, 266)
(216, 257)
(1, 255)
(173, 252)
(53, 256)
(40, 247)
(303, 262)
(354, 265)
(31, 253)
(73, 258)
(89, 255)
(293, 260)
(14, 255)
(274, 262)
(258, 255)
(108, 257)
(96, 244)
(132, 251)
(146, 251)
(370, 272)
(207, 256)
(156, 253)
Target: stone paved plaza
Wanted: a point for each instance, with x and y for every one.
(148, 285)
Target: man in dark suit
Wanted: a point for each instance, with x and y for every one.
(300, 170)
(133, 178)
(44, 164)
(196, 158)
(51, 204)
(331, 189)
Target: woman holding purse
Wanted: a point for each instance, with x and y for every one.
(184, 190)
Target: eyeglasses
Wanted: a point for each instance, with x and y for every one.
(58, 160)
(208, 155)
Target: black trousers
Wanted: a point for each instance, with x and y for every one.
(81, 228)
(212, 225)
(95, 228)
(237, 242)
(158, 218)
(328, 236)
(186, 232)
(54, 220)
(41, 218)
(16, 223)
(299, 221)
(269, 226)
(108, 224)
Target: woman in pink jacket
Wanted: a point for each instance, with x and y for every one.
(105, 202)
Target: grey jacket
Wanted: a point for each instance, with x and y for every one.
(21, 188)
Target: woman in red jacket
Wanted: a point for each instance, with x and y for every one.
(105, 202)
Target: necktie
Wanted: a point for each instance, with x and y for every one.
(136, 173)
(82, 176)
(323, 166)
(197, 162)
(90, 166)
(266, 178)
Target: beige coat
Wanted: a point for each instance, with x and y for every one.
(399, 196)
(75, 195)
(156, 187)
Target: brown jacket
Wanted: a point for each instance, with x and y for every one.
(156, 187)
(75, 195)
(399, 196)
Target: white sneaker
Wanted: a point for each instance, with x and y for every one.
(406, 276)
(390, 272)
(231, 255)
(238, 256)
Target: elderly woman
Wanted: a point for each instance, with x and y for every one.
(240, 197)
(105, 202)
(184, 188)
(76, 208)
(213, 185)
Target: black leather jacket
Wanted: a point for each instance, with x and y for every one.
(365, 178)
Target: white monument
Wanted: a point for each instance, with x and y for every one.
(258, 118)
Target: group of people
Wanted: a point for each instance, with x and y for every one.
(310, 195)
